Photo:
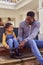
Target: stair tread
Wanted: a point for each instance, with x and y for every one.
(7, 59)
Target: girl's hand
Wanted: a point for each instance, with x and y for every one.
(17, 38)
(7, 47)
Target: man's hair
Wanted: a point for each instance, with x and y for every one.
(7, 25)
(31, 13)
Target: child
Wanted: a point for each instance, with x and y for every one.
(9, 39)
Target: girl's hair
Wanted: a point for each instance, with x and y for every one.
(7, 25)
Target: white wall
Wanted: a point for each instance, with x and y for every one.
(18, 15)
(4, 14)
(41, 20)
(41, 16)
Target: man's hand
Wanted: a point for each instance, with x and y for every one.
(22, 43)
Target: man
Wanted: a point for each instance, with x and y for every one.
(27, 32)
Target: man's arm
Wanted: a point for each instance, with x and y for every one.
(20, 30)
(34, 33)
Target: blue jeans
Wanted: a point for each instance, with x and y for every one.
(35, 44)
(10, 42)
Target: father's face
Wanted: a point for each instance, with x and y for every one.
(29, 20)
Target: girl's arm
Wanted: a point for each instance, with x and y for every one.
(14, 35)
(4, 41)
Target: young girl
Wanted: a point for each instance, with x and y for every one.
(9, 39)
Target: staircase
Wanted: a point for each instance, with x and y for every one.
(27, 58)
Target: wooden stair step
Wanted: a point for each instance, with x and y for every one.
(3, 51)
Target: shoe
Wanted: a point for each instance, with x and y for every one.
(19, 55)
(13, 56)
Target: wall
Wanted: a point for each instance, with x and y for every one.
(41, 20)
(41, 16)
(17, 15)
(4, 13)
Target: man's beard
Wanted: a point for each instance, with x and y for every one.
(31, 23)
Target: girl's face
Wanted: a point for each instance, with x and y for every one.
(10, 28)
